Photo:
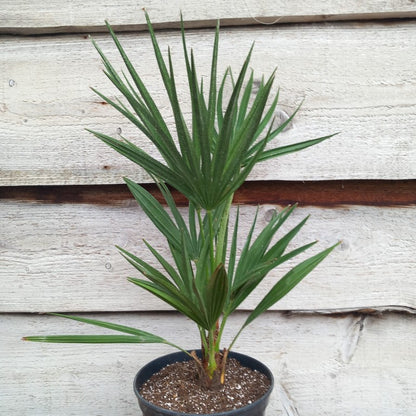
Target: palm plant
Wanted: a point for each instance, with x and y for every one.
(206, 280)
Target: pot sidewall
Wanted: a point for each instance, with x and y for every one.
(254, 409)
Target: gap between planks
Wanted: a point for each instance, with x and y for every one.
(330, 313)
(358, 313)
(384, 193)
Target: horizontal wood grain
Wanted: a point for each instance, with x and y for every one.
(62, 257)
(321, 193)
(354, 78)
(330, 366)
(37, 17)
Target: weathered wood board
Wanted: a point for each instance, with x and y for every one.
(28, 17)
(62, 257)
(332, 366)
(355, 78)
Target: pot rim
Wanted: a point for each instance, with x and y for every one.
(181, 356)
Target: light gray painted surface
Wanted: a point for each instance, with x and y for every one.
(357, 79)
(63, 257)
(324, 365)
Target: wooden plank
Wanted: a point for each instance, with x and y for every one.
(61, 257)
(35, 17)
(321, 193)
(340, 365)
(367, 96)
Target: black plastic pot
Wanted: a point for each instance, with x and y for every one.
(254, 409)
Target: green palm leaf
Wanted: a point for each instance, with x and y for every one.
(153, 274)
(216, 294)
(143, 105)
(209, 164)
(257, 274)
(155, 211)
(257, 259)
(139, 336)
(287, 283)
(189, 156)
(177, 300)
(89, 339)
(291, 148)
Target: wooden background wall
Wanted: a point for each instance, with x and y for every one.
(343, 342)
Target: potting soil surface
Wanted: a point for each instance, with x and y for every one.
(176, 388)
